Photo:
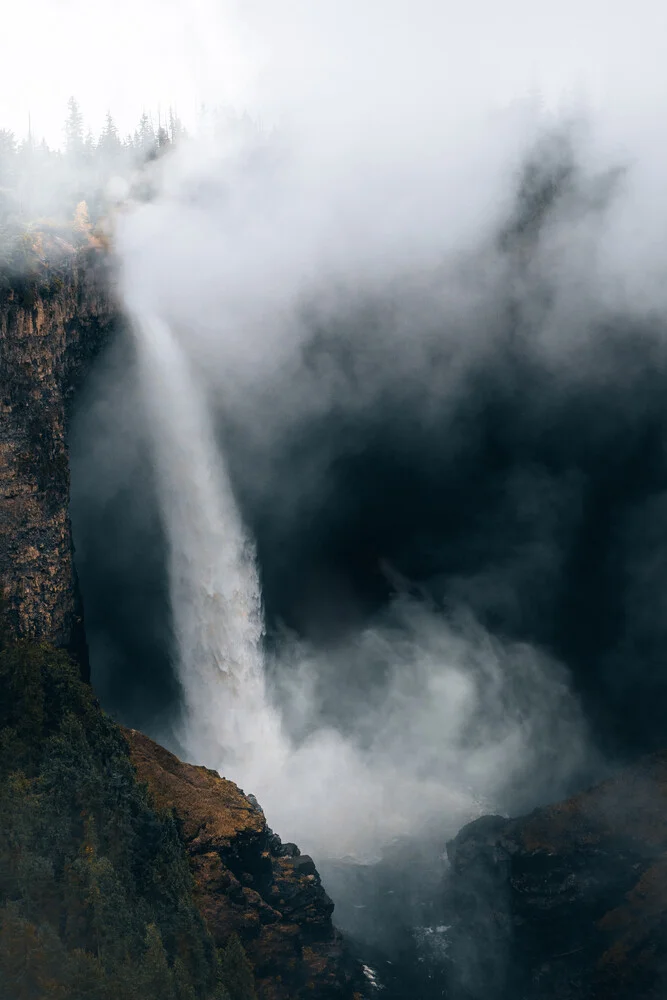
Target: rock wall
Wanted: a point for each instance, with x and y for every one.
(569, 902)
(248, 882)
(53, 322)
(51, 326)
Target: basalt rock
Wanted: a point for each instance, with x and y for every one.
(248, 882)
(52, 324)
(569, 902)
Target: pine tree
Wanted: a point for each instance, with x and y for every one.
(157, 980)
(183, 987)
(84, 858)
(162, 137)
(236, 973)
(86, 977)
(7, 157)
(8, 177)
(145, 136)
(28, 959)
(89, 146)
(73, 129)
(176, 130)
(109, 145)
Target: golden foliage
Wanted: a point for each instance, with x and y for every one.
(81, 223)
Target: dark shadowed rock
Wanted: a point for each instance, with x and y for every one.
(569, 902)
(52, 323)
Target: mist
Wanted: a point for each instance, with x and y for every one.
(378, 466)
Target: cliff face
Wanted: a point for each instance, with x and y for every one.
(51, 326)
(248, 883)
(568, 903)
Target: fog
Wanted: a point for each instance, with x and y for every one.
(379, 462)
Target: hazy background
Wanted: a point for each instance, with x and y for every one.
(418, 296)
(412, 317)
(137, 55)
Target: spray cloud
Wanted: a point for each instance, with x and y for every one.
(458, 720)
(332, 310)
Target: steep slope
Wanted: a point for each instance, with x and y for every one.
(122, 889)
(95, 892)
(247, 882)
(53, 320)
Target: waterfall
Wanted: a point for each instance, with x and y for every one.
(214, 585)
(464, 715)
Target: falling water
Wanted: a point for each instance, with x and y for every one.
(214, 585)
(336, 794)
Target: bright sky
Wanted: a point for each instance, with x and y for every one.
(126, 56)
(134, 54)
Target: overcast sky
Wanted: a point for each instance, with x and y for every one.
(134, 54)
(126, 56)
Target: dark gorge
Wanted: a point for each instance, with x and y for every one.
(482, 468)
(471, 446)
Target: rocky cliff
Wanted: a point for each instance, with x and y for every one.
(52, 323)
(243, 882)
(247, 882)
(569, 902)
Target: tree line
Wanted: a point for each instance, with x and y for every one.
(38, 182)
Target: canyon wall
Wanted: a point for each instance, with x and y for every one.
(53, 322)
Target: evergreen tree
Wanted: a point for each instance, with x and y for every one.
(85, 860)
(89, 146)
(176, 130)
(7, 157)
(157, 980)
(110, 130)
(25, 173)
(37, 182)
(162, 138)
(29, 959)
(109, 142)
(236, 972)
(183, 987)
(87, 978)
(108, 163)
(73, 129)
(145, 140)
